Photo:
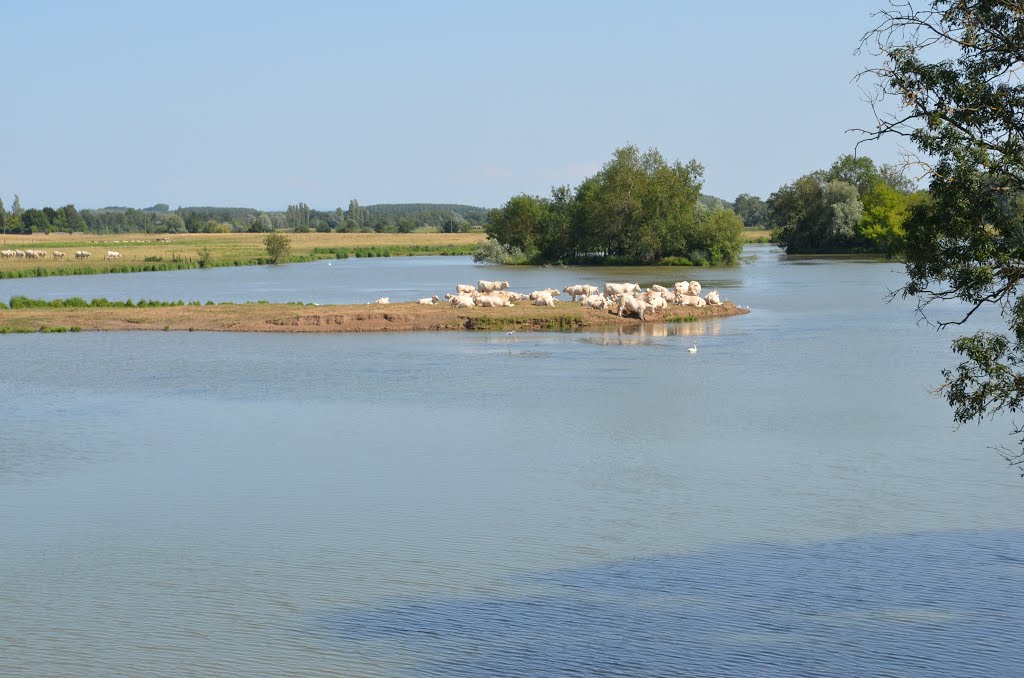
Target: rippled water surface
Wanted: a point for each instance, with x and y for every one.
(788, 500)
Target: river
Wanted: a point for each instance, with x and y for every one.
(789, 500)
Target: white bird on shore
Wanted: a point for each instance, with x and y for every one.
(693, 349)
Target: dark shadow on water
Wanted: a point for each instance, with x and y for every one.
(948, 603)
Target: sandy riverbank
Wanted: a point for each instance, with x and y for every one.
(404, 317)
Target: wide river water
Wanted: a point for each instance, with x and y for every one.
(789, 500)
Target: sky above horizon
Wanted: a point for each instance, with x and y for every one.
(263, 105)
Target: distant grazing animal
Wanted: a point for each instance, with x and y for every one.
(383, 300)
(713, 298)
(113, 255)
(464, 289)
(595, 301)
(429, 301)
(57, 254)
(691, 300)
(82, 254)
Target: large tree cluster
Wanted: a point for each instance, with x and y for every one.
(638, 209)
(853, 206)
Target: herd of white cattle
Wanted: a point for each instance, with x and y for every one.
(57, 254)
(627, 298)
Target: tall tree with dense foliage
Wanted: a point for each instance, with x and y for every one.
(953, 70)
(278, 245)
(751, 210)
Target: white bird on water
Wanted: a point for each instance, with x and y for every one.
(693, 349)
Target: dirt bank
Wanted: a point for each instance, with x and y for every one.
(405, 317)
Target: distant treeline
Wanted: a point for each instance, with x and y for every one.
(402, 218)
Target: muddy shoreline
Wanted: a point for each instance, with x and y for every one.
(401, 317)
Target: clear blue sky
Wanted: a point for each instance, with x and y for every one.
(264, 104)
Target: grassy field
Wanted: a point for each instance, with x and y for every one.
(148, 252)
(757, 235)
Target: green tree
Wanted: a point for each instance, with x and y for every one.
(821, 211)
(70, 218)
(717, 237)
(34, 221)
(517, 223)
(297, 217)
(885, 211)
(952, 69)
(751, 210)
(278, 246)
(3, 217)
(640, 206)
(637, 209)
(172, 223)
(261, 224)
(14, 218)
(857, 170)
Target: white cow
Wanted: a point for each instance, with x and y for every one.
(691, 300)
(82, 254)
(576, 291)
(613, 289)
(462, 301)
(493, 301)
(542, 299)
(488, 286)
(429, 301)
(57, 254)
(113, 255)
(628, 304)
(465, 289)
(7, 254)
(551, 292)
(383, 300)
(713, 298)
(598, 301)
